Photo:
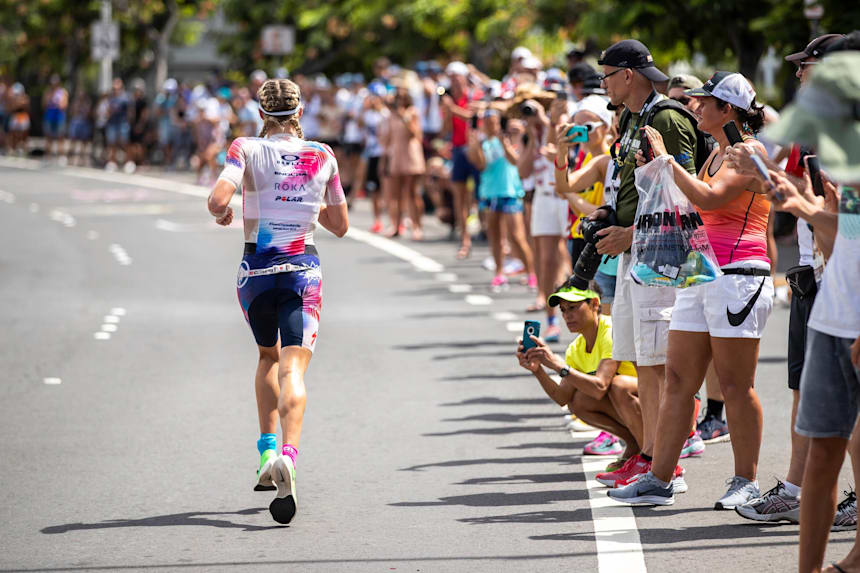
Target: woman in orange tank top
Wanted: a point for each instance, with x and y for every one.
(722, 320)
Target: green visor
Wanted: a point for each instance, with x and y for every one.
(571, 294)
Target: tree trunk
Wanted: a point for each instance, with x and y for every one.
(163, 44)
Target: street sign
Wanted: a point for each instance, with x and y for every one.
(278, 40)
(104, 40)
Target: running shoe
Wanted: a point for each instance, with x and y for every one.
(533, 282)
(264, 472)
(377, 227)
(775, 505)
(644, 491)
(741, 491)
(605, 444)
(713, 430)
(846, 513)
(677, 480)
(574, 424)
(499, 283)
(553, 333)
(634, 466)
(694, 446)
(283, 507)
(616, 465)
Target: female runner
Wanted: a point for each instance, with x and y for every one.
(288, 186)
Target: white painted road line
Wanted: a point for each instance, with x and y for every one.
(110, 319)
(34, 207)
(7, 197)
(504, 316)
(101, 335)
(615, 533)
(119, 254)
(117, 311)
(109, 328)
(478, 299)
(446, 277)
(514, 326)
(52, 381)
(459, 288)
(92, 235)
(402, 252)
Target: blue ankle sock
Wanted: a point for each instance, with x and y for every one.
(550, 320)
(267, 442)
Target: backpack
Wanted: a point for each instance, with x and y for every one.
(705, 144)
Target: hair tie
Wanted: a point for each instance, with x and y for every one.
(282, 113)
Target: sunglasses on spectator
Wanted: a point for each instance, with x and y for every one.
(682, 99)
(801, 65)
(603, 77)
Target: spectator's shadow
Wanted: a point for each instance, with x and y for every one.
(501, 499)
(174, 519)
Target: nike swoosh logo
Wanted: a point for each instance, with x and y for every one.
(738, 318)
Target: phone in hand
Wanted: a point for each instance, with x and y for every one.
(577, 134)
(475, 121)
(762, 170)
(530, 328)
(645, 145)
(813, 167)
(732, 133)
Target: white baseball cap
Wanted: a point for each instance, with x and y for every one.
(457, 68)
(730, 87)
(520, 52)
(597, 105)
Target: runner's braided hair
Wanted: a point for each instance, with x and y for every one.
(279, 95)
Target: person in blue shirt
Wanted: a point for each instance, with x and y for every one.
(501, 194)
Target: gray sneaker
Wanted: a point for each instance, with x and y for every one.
(644, 491)
(741, 491)
(846, 513)
(775, 505)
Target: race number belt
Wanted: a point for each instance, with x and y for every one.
(244, 271)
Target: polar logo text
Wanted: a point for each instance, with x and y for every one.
(288, 199)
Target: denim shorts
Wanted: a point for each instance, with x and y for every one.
(607, 286)
(829, 388)
(507, 205)
(462, 168)
(117, 133)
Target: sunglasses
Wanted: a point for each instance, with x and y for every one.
(682, 99)
(801, 65)
(603, 77)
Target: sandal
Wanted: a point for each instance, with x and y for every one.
(837, 567)
(464, 252)
(535, 307)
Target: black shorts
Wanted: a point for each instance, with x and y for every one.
(801, 308)
(352, 148)
(371, 180)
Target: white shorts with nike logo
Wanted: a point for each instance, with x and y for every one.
(733, 306)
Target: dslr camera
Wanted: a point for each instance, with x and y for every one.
(588, 261)
(528, 109)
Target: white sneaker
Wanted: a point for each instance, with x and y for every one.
(129, 167)
(741, 491)
(577, 425)
(283, 507)
(110, 166)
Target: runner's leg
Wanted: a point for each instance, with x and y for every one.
(266, 386)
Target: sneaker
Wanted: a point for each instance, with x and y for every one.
(616, 465)
(264, 472)
(574, 424)
(605, 444)
(775, 505)
(694, 446)
(377, 227)
(713, 430)
(499, 283)
(846, 513)
(634, 466)
(283, 507)
(532, 282)
(553, 333)
(644, 491)
(741, 491)
(679, 484)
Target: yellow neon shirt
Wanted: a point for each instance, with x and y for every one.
(586, 362)
(593, 195)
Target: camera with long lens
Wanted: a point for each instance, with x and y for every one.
(588, 261)
(528, 109)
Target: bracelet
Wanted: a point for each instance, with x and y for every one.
(564, 168)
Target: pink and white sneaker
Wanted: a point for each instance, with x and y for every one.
(499, 283)
(605, 444)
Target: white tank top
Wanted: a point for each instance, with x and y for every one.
(284, 182)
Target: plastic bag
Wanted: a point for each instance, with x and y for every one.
(670, 244)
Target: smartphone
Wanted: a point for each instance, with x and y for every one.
(645, 145)
(762, 169)
(579, 133)
(530, 328)
(475, 121)
(732, 133)
(504, 122)
(814, 170)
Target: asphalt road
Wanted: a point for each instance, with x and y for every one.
(425, 447)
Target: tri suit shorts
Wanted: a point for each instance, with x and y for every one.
(288, 303)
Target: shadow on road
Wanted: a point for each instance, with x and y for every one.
(501, 499)
(191, 518)
(491, 431)
(578, 515)
(500, 417)
(524, 479)
(463, 344)
(487, 377)
(484, 400)
(564, 460)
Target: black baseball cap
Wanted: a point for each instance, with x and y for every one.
(634, 55)
(814, 49)
(580, 72)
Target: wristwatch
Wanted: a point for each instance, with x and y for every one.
(564, 372)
